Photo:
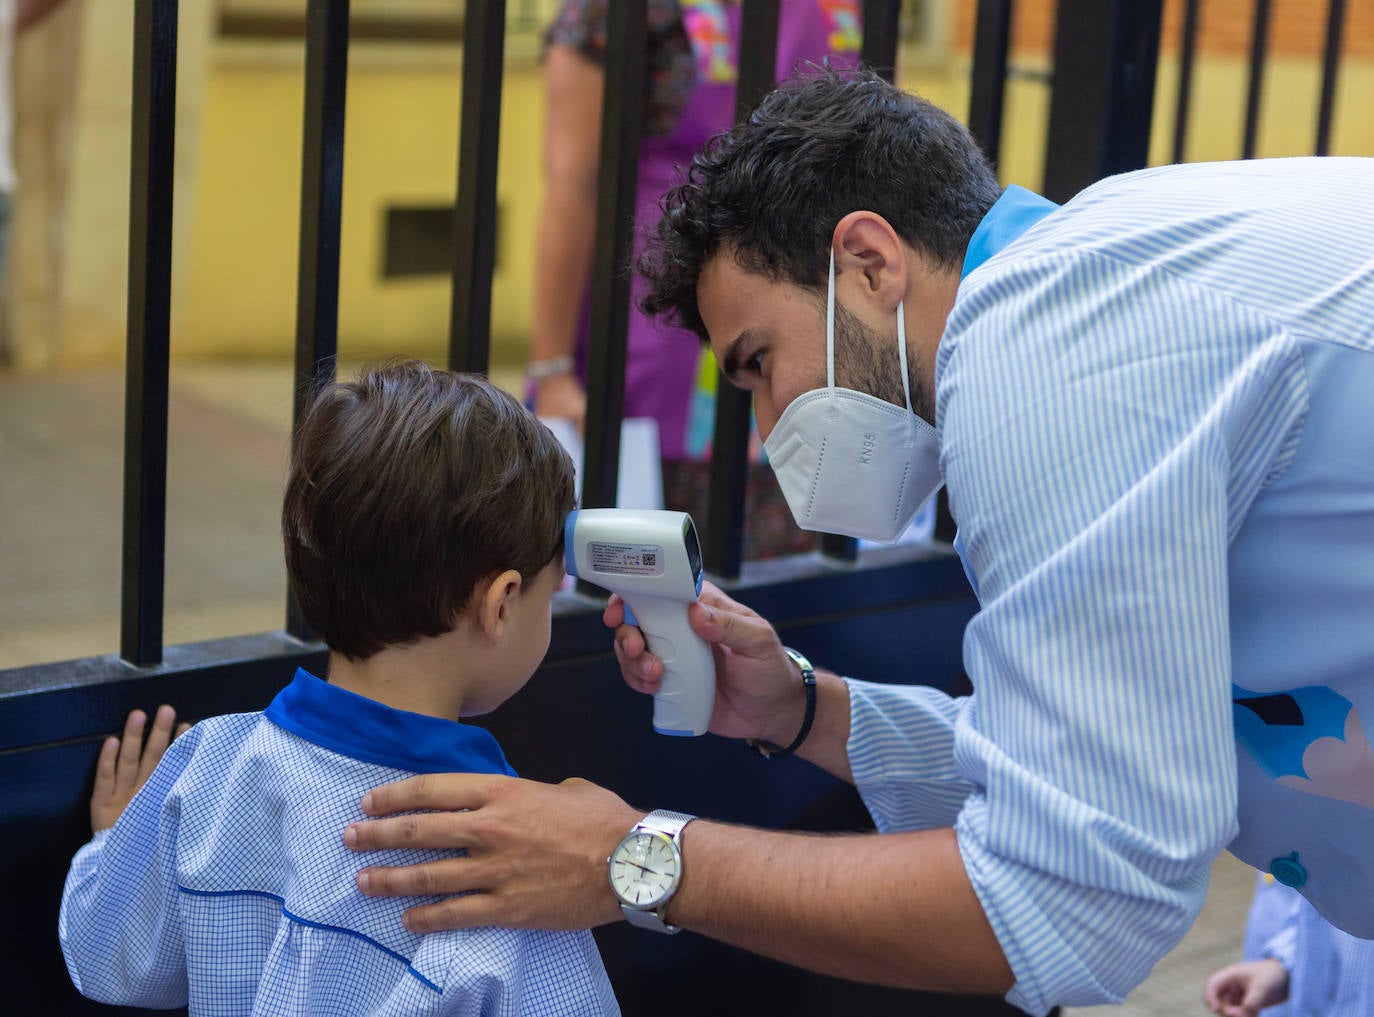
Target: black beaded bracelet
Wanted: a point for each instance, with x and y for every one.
(808, 676)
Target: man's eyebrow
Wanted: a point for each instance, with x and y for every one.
(732, 355)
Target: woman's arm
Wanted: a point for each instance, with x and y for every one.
(563, 254)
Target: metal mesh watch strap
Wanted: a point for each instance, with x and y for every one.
(669, 824)
(648, 920)
(808, 676)
(665, 821)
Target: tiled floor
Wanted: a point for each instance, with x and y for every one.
(61, 455)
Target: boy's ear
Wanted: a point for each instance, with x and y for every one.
(494, 604)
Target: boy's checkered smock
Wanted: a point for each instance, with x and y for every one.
(226, 883)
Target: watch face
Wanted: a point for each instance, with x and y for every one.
(645, 869)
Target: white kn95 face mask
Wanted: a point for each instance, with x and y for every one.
(849, 462)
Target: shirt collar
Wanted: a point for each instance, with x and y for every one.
(364, 729)
(1016, 211)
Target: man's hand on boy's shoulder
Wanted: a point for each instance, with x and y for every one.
(522, 838)
(126, 763)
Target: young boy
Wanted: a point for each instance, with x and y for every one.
(423, 522)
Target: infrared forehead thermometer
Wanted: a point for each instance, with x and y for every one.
(653, 560)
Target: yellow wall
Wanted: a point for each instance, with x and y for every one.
(68, 266)
(238, 184)
(1288, 121)
(400, 147)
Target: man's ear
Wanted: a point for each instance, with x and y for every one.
(869, 251)
(494, 603)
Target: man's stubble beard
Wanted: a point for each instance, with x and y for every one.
(867, 361)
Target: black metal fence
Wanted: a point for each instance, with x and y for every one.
(53, 716)
(1103, 84)
(1259, 50)
(882, 614)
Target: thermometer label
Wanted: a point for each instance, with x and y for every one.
(626, 559)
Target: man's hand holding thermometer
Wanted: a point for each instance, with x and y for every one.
(661, 607)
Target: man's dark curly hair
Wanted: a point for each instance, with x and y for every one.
(823, 144)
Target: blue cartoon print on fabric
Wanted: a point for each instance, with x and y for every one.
(1308, 739)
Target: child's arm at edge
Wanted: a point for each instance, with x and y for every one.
(119, 925)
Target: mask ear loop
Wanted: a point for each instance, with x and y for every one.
(901, 355)
(830, 325)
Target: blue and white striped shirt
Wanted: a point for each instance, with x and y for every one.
(1156, 408)
(226, 883)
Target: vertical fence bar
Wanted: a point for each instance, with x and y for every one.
(474, 218)
(879, 52)
(622, 117)
(1331, 62)
(1259, 49)
(149, 331)
(991, 43)
(1187, 51)
(1105, 56)
(881, 18)
(723, 537)
(317, 283)
(758, 55)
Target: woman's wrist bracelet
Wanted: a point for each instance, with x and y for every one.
(808, 676)
(538, 370)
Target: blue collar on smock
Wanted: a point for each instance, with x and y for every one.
(1016, 211)
(362, 728)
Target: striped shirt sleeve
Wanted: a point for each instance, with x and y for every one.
(1104, 430)
(901, 752)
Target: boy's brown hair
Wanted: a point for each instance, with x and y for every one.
(408, 487)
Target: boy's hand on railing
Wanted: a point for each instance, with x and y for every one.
(758, 694)
(126, 763)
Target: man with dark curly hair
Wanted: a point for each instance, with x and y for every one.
(1151, 410)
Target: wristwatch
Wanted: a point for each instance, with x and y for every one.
(646, 867)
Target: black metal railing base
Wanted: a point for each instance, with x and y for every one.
(893, 616)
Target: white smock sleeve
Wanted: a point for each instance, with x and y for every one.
(120, 924)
